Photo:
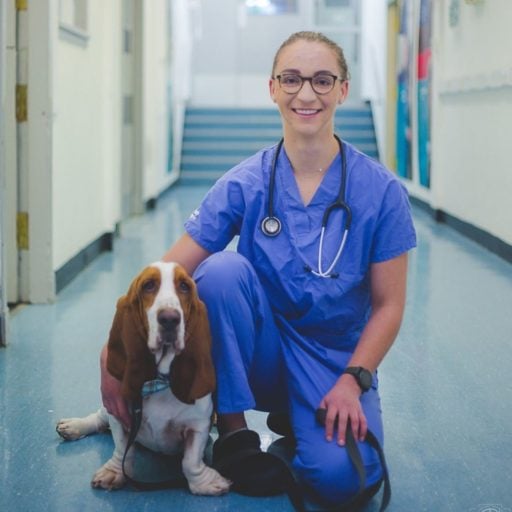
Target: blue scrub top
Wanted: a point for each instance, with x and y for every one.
(310, 309)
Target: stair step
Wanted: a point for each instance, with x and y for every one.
(217, 139)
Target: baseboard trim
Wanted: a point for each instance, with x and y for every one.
(65, 274)
(478, 235)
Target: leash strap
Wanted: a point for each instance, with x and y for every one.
(294, 489)
(172, 483)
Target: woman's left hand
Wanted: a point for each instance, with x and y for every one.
(342, 404)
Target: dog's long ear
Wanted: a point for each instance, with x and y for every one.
(192, 372)
(128, 357)
(116, 354)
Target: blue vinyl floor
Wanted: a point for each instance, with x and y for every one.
(445, 385)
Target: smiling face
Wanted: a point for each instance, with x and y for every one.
(307, 113)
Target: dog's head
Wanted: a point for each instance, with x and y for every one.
(161, 326)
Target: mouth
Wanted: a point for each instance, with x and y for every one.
(306, 112)
(166, 340)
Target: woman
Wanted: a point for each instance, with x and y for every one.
(288, 318)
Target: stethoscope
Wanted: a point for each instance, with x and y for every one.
(271, 225)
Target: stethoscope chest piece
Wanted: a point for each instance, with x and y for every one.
(271, 226)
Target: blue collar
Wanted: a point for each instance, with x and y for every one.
(154, 386)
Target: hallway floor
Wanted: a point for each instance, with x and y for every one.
(446, 392)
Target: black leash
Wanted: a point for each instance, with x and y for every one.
(291, 486)
(172, 483)
(294, 489)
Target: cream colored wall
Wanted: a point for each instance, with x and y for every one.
(86, 142)
(87, 125)
(155, 101)
(472, 115)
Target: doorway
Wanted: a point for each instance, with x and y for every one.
(131, 101)
(340, 20)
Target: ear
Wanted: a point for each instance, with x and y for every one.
(128, 357)
(192, 373)
(343, 92)
(272, 89)
(116, 355)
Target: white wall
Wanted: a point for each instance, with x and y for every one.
(373, 64)
(156, 72)
(233, 54)
(86, 133)
(87, 124)
(183, 27)
(472, 115)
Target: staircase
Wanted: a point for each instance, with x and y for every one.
(216, 139)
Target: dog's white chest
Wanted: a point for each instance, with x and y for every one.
(165, 420)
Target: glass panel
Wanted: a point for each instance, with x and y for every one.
(334, 12)
(270, 7)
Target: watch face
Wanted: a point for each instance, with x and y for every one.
(365, 378)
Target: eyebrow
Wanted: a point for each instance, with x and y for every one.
(297, 72)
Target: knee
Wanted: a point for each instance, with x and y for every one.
(222, 272)
(331, 475)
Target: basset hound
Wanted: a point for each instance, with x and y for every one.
(160, 332)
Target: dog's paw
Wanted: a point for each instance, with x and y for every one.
(108, 478)
(209, 483)
(72, 429)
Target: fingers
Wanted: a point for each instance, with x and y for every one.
(337, 422)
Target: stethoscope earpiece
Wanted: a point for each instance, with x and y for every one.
(271, 225)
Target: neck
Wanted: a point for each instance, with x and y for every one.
(311, 157)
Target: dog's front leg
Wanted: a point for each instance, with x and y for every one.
(201, 478)
(110, 475)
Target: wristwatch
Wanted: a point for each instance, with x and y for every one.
(362, 375)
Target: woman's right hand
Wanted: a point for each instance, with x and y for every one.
(111, 393)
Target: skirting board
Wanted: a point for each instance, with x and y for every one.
(65, 274)
(480, 236)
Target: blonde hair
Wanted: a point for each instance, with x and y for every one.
(315, 37)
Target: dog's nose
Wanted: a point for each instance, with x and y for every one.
(168, 318)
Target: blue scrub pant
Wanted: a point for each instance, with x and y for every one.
(258, 367)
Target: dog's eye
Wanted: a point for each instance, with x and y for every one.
(149, 286)
(184, 286)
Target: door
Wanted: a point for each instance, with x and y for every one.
(10, 198)
(131, 74)
(340, 21)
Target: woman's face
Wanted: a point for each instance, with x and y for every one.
(307, 113)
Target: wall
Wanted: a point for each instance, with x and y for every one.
(233, 54)
(156, 119)
(182, 29)
(373, 64)
(87, 124)
(472, 115)
(86, 131)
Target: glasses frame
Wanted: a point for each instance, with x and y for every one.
(308, 79)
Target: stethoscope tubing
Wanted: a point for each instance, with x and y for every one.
(271, 225)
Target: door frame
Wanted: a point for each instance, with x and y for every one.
(29, 170)
(3, 191)
(132, 110)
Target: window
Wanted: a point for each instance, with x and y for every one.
(73, 20)
(270, 7)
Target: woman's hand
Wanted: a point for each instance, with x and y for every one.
(111, 393)
(342, 404)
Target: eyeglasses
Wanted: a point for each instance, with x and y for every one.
(321, 84)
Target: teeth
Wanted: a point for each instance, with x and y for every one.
(305, 112)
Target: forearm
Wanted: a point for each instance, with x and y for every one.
(377, 337)
(188, 253)
(388, 302)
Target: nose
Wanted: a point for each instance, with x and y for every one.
(306, 91)
(168, 318)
